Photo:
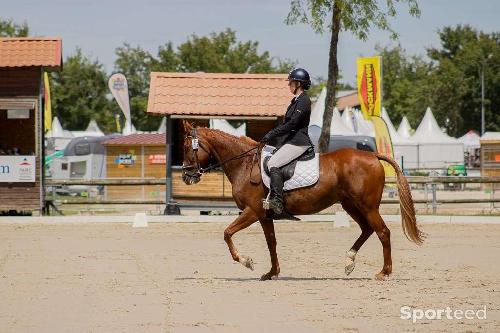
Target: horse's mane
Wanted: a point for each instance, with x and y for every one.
(236, 139)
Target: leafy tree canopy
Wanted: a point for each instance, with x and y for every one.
(8, 28)
(217, 52)
(79, 93)
(449, 81)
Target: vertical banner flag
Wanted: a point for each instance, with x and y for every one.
(370, 86)
(48, 106)
(370, 97)
(119, 88)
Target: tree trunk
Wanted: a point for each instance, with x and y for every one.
(331, 85)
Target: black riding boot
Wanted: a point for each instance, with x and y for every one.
(276, 198)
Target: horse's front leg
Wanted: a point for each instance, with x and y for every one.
(268, 227)
(244, 220)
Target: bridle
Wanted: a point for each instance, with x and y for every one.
(198, 170)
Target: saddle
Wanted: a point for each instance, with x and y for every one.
(289, 169)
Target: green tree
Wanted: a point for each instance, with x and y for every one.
(8, 28)
(354, 16)
(79, 94)
(407, 88)
(136, 64)
(456, 79)
(223, 53)
(217, 52)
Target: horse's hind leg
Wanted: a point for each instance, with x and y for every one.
(384, 234)
(244, 220)
(366, 232)
(268, 227)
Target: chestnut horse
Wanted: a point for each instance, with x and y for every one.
(352, 177)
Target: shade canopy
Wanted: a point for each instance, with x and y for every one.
(404, 129)
(429, 131)
(470, 140)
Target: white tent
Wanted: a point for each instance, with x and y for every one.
(337, 126)
(405, 150)
(57, 138)
(470, 140)
(91, 130)
(436, 149)
(225, 126)
(363, 126)
(318, 110)
(128, 128)
(93, 127)
(163, 126)
(392, 131)
(347, 119)
(341, 136)
(404, 129)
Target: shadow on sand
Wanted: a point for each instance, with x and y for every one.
(289, 278)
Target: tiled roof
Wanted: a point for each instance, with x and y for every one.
(24, 52)
(144, 139)
(350, 100)
(209, 94)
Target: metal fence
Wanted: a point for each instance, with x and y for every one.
(428, 184)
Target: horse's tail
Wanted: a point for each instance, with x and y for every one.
(409, 221)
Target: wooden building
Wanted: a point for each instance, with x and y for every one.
(490, 155)
(142, 156)
(22, 64)
(258, 99)
(138, 156)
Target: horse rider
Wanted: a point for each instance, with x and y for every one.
(291, 137)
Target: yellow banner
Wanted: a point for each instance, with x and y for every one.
(384, 143)
(370, 86)
(117, 120)
(48, 105)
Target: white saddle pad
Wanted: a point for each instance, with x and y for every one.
(306, 172)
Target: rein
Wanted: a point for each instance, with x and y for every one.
(199, 170)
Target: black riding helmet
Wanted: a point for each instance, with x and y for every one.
(301, 75)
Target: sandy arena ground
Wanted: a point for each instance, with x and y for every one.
(180, 278)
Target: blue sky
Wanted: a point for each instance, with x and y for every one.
(99, 26)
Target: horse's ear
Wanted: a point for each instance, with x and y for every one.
(187, 126)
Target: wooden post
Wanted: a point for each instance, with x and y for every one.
(142, 171)
(171, 208)
(40, 139)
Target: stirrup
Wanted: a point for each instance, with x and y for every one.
(266, 203)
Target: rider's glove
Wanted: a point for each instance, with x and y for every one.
(267, 137)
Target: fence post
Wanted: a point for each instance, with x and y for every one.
(171, 207)
(54, 194)
(492, 196)
(434, 199)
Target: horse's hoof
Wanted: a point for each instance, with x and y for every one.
(247, 262)
(349, 268)
(381, 276)
(349, 261)
(269, 276)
